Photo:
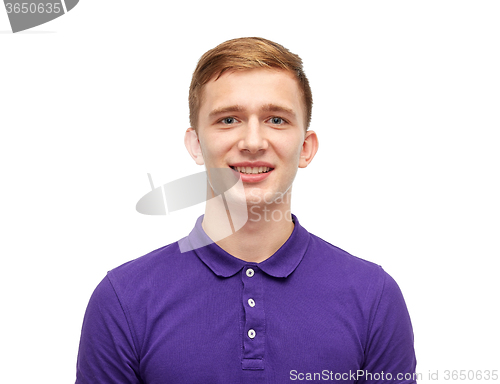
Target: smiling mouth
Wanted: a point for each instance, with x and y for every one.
(252, 170)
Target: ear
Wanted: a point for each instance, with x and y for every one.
(309, 149)
(193, 146)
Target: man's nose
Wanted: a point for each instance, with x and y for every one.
(253, 137)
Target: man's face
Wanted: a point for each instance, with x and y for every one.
(252, 121)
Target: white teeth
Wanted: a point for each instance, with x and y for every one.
(250, 170)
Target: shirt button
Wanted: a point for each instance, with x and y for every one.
(251, 333)
(250, 272)
(251, 302)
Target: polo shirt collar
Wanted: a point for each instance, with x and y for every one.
(281, 264)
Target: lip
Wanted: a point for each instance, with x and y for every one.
(252, 164)
(252, 178)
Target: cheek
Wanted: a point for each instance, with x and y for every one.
(289, 151)
(217, 149)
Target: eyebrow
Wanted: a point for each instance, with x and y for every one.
(278, 108)
(219, 111)
(266, 108)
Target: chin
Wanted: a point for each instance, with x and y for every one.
(236, 197)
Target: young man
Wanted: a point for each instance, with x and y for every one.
(270, 303)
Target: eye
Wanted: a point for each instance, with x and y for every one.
(277, 120)
(228, 120)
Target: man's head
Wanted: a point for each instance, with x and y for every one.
(252, 117)
(244, 54)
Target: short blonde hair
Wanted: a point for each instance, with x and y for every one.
(243, 54)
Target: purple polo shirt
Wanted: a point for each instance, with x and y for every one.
(311, 312)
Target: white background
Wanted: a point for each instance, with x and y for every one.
(406, 107)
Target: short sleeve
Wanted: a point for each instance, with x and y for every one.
(389, 354)
(106, 353)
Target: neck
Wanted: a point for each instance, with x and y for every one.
(268, 227)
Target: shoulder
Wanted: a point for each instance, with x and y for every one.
(145, 262)
(343, 270)
(332, 257)
(159, 267)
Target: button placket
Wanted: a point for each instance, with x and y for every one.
(254, 326)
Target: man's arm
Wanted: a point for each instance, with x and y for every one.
(107, 353)
(389, 349)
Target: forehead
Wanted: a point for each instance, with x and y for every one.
(252, 90)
